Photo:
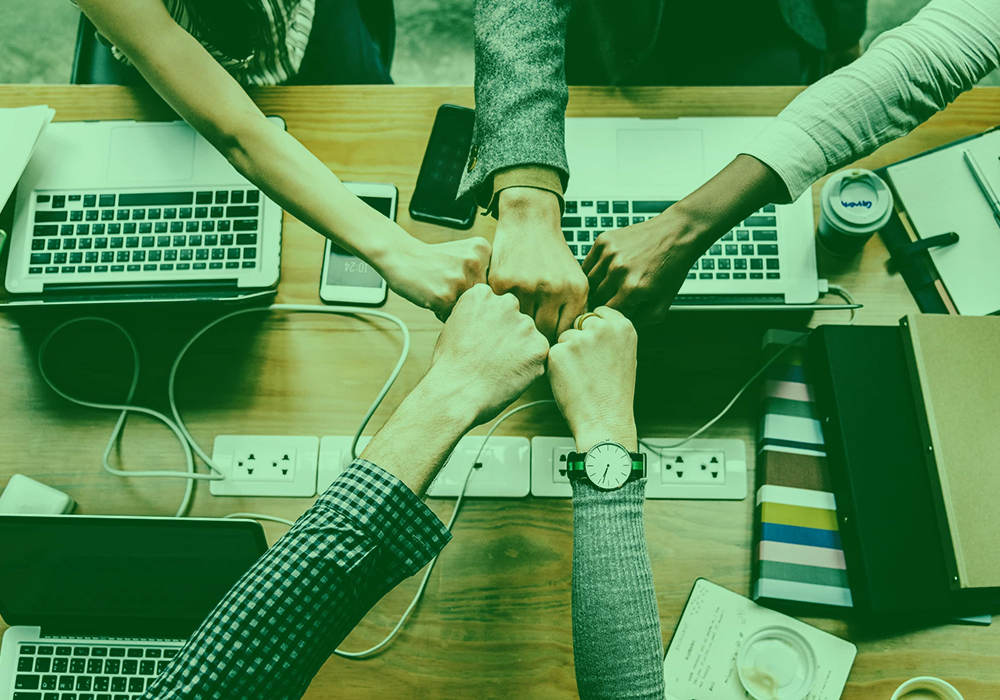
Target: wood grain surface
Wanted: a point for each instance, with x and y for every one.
(495, 621)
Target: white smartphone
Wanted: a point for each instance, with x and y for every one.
(346, 278)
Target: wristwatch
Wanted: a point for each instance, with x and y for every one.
(607, 465)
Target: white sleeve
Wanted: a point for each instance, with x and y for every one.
(907, 75)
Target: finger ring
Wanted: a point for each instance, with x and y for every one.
(578, 323)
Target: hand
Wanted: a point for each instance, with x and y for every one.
(434, 276)
(638, 269)
(487, 354)
(592, 371)
(532, 261)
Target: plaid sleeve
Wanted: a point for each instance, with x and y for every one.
(277, 626)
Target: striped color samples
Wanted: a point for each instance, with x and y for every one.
(798, 556)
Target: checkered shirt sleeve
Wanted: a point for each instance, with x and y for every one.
(274, 630)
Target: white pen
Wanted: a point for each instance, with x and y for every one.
(984, 184)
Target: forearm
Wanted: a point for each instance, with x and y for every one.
(302, 185)
(617, 645)
(422, 432)
(521, 90)
(274, 630)
(906, 76)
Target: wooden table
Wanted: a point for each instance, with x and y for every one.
(495, 621)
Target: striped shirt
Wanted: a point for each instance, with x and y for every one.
(289, 23)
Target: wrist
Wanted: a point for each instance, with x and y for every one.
(624, 433)
(455, 402)
(529, 204)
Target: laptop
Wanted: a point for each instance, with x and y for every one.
(628, 170)
(98, 605)
(126, 211)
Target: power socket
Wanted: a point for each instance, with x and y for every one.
(505, 470)
(700, 469)
(259, 465)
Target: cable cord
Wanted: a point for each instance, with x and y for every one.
(371, 651)
(189, 445)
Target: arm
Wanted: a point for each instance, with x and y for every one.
(906, 76)
(274, 630)
(179, 68)
(617, 644)
(517, 167)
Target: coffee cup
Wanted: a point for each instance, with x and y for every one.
(854, 204)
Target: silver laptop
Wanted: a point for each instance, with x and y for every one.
(99, 605)
(625, 171)
(138, 211)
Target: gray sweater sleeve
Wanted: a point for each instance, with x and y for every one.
(617, 645)
(521, 90)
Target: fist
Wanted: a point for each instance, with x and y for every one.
(488, 352)
(592, 371)
(434, 276)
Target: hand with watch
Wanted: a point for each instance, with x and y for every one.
(592, 371)
(617, 645)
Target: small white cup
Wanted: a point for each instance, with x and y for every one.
(933, 687)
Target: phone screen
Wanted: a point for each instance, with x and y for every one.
(346, 270)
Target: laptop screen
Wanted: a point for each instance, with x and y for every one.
(120, 576)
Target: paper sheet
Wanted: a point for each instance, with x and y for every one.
(19, 131)
(940, 195)
(700, 663)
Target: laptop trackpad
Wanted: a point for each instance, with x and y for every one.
(151, 154)
(673, 159)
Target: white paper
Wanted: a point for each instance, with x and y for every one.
(940, 194)
(19, 131)
(700, 663)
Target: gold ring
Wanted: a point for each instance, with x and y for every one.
(578, 323)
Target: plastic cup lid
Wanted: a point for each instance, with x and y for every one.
(857, 199)
(926, 688)
(776, 663)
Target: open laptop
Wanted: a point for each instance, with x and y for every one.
(627, 170)
(98, 605)
(126, 211)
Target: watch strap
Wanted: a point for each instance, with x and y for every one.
(576, 465)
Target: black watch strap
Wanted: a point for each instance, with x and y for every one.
(576, 466)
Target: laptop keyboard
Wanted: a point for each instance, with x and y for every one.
(87, 672)
(748, 251)
(83, 233)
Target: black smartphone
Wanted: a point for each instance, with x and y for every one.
(435, 196)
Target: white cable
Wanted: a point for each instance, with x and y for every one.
(358, 655)
(177, 425)
(259, 516)
(658, 449)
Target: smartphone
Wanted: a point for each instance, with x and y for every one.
(346, 278)
(435, 196)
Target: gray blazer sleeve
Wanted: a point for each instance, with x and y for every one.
(521, 90)
(617, 645)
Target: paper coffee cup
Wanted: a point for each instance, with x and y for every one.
(776, 663)
(854, 204)
(926, 688)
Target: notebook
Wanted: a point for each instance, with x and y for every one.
(940, 194)
(956, 381)
(798, 558)
(892, 543)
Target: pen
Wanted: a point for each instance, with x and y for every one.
(984, 185)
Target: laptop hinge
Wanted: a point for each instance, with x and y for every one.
(728, 299)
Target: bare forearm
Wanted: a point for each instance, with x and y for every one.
(419, 436)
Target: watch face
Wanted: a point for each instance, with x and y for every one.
(608, 465)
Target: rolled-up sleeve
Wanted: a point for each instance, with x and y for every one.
(277, 626)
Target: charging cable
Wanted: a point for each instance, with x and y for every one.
(189, 445)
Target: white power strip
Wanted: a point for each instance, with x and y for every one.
(698, 470)
(509, 467)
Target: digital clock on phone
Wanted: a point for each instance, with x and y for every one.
(346, 278)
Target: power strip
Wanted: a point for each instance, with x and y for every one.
(698, 470)
(509, 467)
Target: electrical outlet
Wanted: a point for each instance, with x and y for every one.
(259, 465)
(505, 470)
(666, 478)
